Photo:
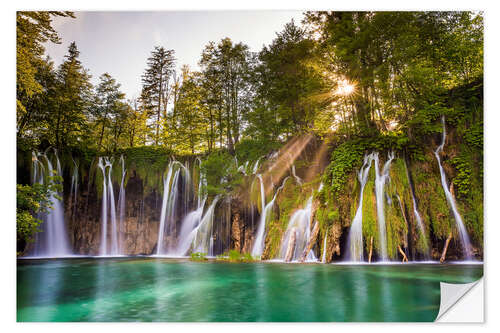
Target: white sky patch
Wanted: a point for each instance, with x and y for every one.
(120, 42)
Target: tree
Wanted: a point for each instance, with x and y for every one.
(400, 62)
(68, 121)
(108, 107)
(286, 84)
(136, 127)
(33, 29)
(225, 68)
(191, 123)
(155, 83)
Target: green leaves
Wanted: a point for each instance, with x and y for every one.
(221, 172)
(32, 200)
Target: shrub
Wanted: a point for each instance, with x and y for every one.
(198, 256)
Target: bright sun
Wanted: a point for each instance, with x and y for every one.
(344, 88)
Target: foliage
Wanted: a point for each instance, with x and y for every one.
(344, 159)
(462, 180)
(221, 172)
(198, 256)
(235, 256)
(31, 201)
(253, 149)
(33, 29)
(474, 135)
(155, 85)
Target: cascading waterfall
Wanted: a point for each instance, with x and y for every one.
(192, 220)
(380, 180)
(256, 166)
(355, 238)
(258, 246)
(104, 209)
(462, 231)
(189, 223)
(121, 207)
(74, 187)
(167, 188)
(201, 236)
(108, 209)
(297, 178)
(300, 224)
(53, 240)
(171, 189)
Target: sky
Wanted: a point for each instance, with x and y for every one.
(120, 42)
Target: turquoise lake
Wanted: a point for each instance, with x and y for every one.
(154, 289)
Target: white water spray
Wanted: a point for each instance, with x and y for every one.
(108, 209)
(355, 238)
(53, 240)
(258, 246)
(300, 224)
(462, 231)
(380, 180)
(323, 257)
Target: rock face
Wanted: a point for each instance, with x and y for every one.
(232, 228)
(139, 232)
(333, 245)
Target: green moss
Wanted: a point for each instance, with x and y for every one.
(433, 206)
(370, 228)
(235, 256)
(198, 256)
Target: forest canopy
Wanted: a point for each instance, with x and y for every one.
(352, 74)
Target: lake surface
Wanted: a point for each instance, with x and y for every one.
(154, 289)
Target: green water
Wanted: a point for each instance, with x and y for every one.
(147, 289)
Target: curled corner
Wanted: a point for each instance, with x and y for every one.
(452, 294)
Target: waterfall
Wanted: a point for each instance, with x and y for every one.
(53, 240)
(74, 187)
(297, 178)
(201, 236)
(380, 181)
(176, 182)
(462, 231)
(189, 223)
(323, 257)
(168, 187)
(121, 208)
(243, 168)
(300, 225)
(256, 166)
(258, 246)
(355, 238)
(192, 220)
(108, 209)
(104, 209)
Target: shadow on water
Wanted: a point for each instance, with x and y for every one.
(158, 289)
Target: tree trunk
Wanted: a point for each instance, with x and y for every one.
(160, 87)
(291, 246)
(311, 242)
(371, 250)
(236, 232)
(445, 248)
(405, 258)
